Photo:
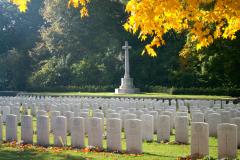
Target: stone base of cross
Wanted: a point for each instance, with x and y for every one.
(127, 87)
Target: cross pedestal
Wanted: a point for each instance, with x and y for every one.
(127, 86)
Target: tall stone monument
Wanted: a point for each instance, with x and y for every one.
(127, 86)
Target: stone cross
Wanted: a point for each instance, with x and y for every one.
(126, 48)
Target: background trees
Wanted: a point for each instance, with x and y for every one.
(51, 46)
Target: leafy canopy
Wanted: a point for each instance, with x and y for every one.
(205, 20)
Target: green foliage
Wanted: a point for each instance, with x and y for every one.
(194, 91)
(217, 65)
(53, 72)
(19, 30)
(14, 70)
(67, 53)
(92, 45)
(85, 88)
(18, 34)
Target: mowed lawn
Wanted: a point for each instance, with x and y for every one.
(152, 151)
(141, 95)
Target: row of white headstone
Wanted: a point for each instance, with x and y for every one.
(163, 114)
(71, 102)
(135, 131)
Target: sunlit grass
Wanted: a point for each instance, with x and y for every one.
(142, 95)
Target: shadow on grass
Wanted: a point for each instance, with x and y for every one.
(159, 155)
(34, 155)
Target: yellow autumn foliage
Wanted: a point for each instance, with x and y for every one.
(205, 20)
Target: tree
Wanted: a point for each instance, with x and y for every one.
(18, 30)
(92, 44)
(217, 65)
(205, 20)
(14, 70)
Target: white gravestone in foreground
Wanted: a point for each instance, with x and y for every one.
(53, 114)
(134, 136)
(78, 132)
(43, 130)
(11, 128)
(181, 129)
(170, 114)
(27, 129)
(95, 132)
(148, 128)
(227, 141)
(163, 129)
(199, 140)
(60, 131)
(127, 86)
(236, 121)
(213, 120)
(114, 134)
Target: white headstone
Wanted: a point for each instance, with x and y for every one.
(53, 115)
(197, 117)
(199, 140)
(227, 141)
(5, 112)
(155, 119)
(236, 121)
(129, 116)
(147, 126)
(43, 130)
(27, 129)
(11, 128)
(114, 134)
(226, 116)
(34, 110)
(122, 114)
(85, 116)
(16, 111)
(181, 129)
(95, 132)
(133, 131)
(78, 132)
(69, 115)
(170, 114)
(100, 115)
(213, 120)
(60, 131)
(163, 129)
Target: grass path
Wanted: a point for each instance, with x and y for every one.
(142, 95)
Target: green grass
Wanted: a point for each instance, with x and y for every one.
(142, 95)
(152, 151)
